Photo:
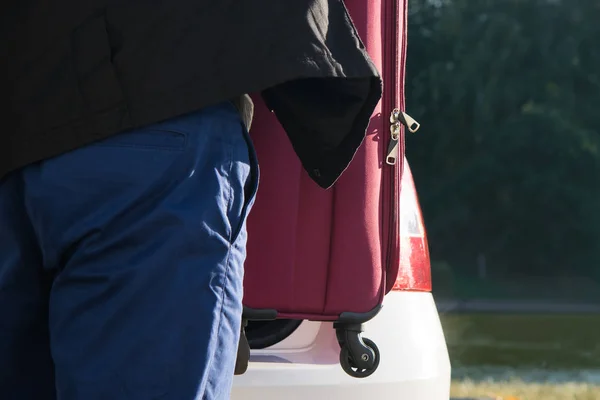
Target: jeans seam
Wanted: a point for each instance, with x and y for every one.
(209, 381)
(253, 178)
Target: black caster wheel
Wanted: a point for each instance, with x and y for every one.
(370, 358)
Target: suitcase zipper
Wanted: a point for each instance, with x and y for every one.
(393, 151)
(393, 104)
(391, 173)
(398, 117)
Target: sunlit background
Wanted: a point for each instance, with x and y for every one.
(507, 166)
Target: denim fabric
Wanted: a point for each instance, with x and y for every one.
(121, 264)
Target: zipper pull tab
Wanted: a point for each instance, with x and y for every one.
(392, 152)
(411, 124)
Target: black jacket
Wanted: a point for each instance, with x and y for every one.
(81, 70)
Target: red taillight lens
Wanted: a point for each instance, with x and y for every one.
(415, 269)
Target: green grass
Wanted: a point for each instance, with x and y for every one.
(534, 341)
(519, 390)
(529, 357)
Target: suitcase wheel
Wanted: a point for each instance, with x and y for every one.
(359, 357)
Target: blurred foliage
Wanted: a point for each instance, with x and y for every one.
(507, 162)
(527, 341)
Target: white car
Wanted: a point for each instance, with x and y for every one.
(301, 359)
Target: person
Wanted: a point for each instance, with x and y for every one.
(127, 173)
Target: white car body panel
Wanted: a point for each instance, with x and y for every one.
(414, 359)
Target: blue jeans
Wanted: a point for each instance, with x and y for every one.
(121, 264)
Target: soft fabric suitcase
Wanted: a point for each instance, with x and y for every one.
(332, 255)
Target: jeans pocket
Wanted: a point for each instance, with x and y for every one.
(151, 137)
(251, 184)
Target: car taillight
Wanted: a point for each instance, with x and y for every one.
(414, 273)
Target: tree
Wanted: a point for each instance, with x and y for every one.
(507, 161)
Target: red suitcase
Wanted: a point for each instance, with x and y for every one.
(332, 255)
